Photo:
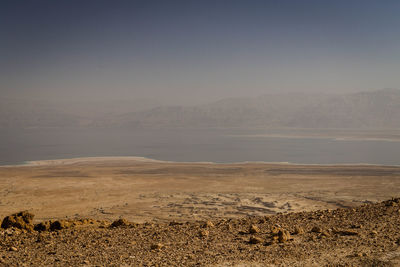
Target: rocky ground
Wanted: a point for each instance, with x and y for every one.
(368, 235)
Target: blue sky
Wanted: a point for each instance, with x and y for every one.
(196, 50)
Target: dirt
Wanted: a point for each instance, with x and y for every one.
(368, 235)
(145, 190)
(130, 212)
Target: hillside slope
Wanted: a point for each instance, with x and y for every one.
(377, 109)
(365, 236)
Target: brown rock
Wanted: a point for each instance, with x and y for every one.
(20, 220)
(27, 216)
(298, 230)
(324, 234)
(208, 224)
(59, 225)
(43, 226)
(253, 229)
(12, 231)
(348, 232)
(13, 249)
(157, 246)
(204, 233)
(172, 223)
(120, 222)
(390, 203)
(39, 238)
(255, 240)
(316, 229)
(283, 236)
(275, 230)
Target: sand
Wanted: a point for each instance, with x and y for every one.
(144, 190)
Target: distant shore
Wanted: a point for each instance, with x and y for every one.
(79, 160)
(330, 137)
(86, 159)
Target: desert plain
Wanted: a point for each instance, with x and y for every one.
(201, 214)
(143, 190)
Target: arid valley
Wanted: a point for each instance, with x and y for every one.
(168, 204)
(143, 190)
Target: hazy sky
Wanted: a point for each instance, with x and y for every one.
(196, 50)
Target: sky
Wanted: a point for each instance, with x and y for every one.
(193, 51)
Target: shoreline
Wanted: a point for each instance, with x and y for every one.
(78, 160)
(326, 137)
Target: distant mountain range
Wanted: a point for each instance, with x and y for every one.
(376, 109)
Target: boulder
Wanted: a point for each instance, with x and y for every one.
(59, 225)
(43, 226)
(20, 220)
(120, 222)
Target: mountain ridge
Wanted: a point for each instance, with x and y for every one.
(376, 109)
(364, 110)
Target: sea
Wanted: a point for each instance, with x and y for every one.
(191, 145)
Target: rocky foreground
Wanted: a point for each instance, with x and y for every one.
(368, 235)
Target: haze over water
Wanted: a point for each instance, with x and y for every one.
(221, 146)
(75, 75)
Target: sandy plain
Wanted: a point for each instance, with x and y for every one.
(143, 190)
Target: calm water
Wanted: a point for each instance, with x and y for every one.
(188, 145)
